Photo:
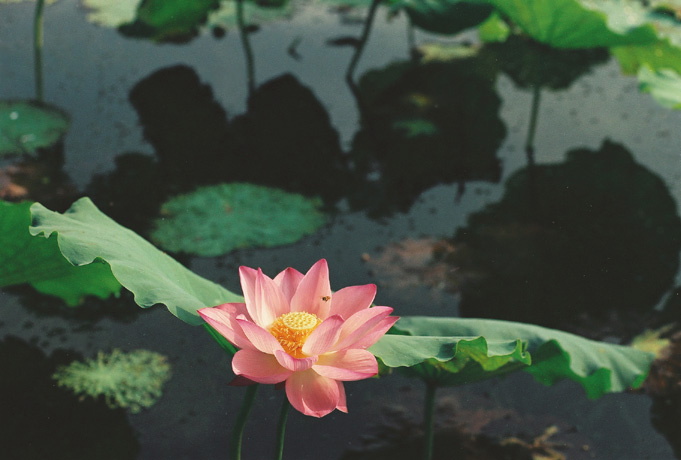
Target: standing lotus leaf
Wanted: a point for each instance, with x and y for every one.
(131, 380)
(215, 220)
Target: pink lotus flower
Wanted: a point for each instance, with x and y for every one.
(293, 328)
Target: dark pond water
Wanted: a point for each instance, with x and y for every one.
(446, 214)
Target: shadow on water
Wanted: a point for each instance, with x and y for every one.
(590, 244)
(423, 125)
(45, 420)
(601, 237)
(285, 140)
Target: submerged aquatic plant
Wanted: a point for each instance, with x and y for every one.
(294, 329)
(132, 380)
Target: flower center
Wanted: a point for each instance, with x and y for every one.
(292, 329)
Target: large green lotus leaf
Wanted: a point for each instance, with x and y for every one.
(169, 20)
(664, 85)
(26, 126)
(578, 23)
(111, 14)
(85, 234)
(451, 360)
(445, 16)
(24, 259)
(598, 366)
(215, 220)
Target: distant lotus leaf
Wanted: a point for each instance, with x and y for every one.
(132, 380)
(445, 16)
(85, 234)
(255, 12)
(27, 126)
(494, 29)
(578, 23)
(664, 85)
(657, 56)
(215, 220)
(111, 14)
(494, 347)
(25, 259)
(169, 20)
(664, 53)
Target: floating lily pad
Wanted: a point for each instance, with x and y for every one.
(111, 14)
(664, 85)
(216, 220)
(27, 126)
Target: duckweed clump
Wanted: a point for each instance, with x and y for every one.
(132, 380)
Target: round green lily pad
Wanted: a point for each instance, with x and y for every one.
(26, 126)
(215, 220)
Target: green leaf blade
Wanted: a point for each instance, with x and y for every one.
(599, 367)
(39, 262)
(85, 234)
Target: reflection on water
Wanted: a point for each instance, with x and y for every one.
(424, 125)
(284, 140)
(596, 234)
(590, 243)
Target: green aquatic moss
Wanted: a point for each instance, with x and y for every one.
(132, 380)
(215, 220)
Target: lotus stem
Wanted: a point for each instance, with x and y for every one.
(38, 49)
(248, 51)
(362, 41)
(529, 142)
(281, 429)
(240, 423)
(428, 419)
(411, 39)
